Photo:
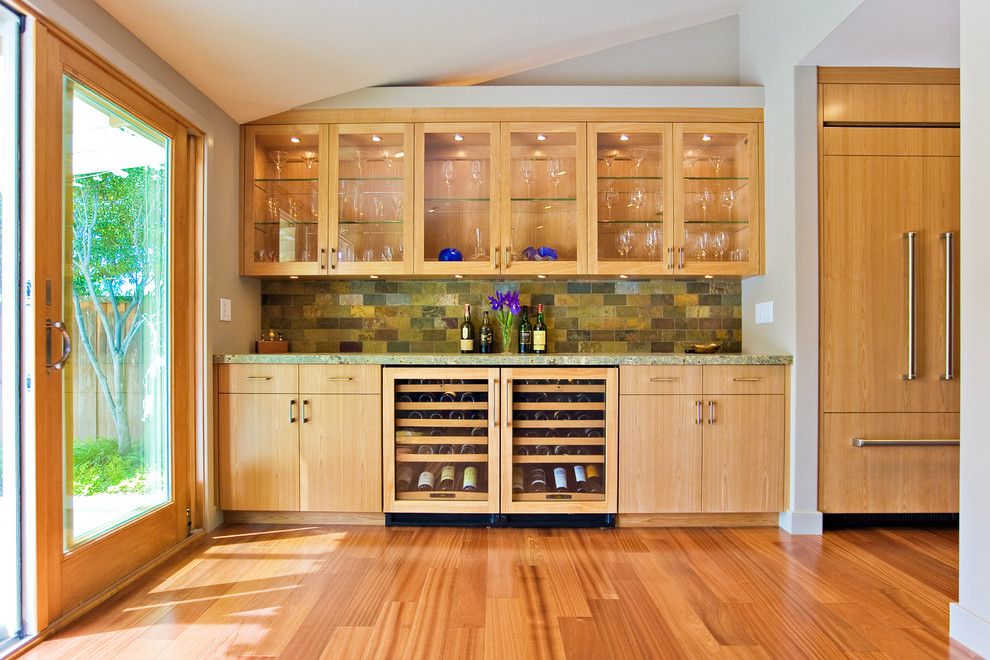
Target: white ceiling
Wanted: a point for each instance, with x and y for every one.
(258, 57)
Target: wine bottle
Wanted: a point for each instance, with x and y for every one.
(446, 449)
(468, 449)
(541, 450)
(594, 478)
(525, 333)
(467, 331)
(486, 338)
(540, 332)
(537, 481)
(580, 479)
(403, 479)
(426, 480)
(469, 481)
(447, 474)
(517, 480)
(560, 479)
(561, 450)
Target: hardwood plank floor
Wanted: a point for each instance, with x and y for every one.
(304, 591)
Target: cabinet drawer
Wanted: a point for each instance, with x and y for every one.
(660, 379)
(259, 379)
(340, 379)
(888, 478)
(744, 379)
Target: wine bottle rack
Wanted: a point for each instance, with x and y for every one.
(558, 440)
(441, 440)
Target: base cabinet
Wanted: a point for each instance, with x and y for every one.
(702, 439)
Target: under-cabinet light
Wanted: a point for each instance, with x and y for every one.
(293, 277)
(623, 277)
(541, 137)
(400, 154)
(458, 137)
(624, 137)
(541, 276)
(294, 140)
(706, 138)
(458, 277)
(709, 277)
(374, 277)
(376, 138)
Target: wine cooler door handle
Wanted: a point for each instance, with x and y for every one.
(341, 379)
(495, 406)
(950, 312)
(304, 404)
(912, 309)
(711, 412)
(740, 379)
(58, 364)
(292, 411)
(508, 402)
(259, 377)
(697, 412)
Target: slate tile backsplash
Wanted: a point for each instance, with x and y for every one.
(423, 316)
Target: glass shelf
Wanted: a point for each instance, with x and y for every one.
(457, 199)
(630, 178)
(285, 180)
(370, 178)
(716, 222)
(655, 221)
(355, 223)
(716, 178)
(544, 199)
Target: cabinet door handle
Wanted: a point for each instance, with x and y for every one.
(340, 378)
(58, 364)
(495, 250)
(333, 258)
(664, 379)
(292, 411)
(259, 377)
(680, 258)
(950, 326)
(507, 255)
(754, 379)
(304, 404)
(323, 258)
(697, 412)
(863, 442)
(508, 402)
(670, 258)
(711, 412)
(912, 310)
(495, 405)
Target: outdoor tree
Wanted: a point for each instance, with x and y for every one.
(119, 266)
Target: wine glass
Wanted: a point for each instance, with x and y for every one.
(359, 158)
(607, 156)
(638, 154)
(609, 196)
(397, 203)
(379, 205)
(690, 158)
(705, 200)
(624, 243)
(701, 246)
(272, 208)
(387, 158)
(279, 158)
(637, 197)
(555, 168)
(658, 195)
(654, 241)
(720, 242)
(357, 208)
(447, 173)
(387, 254)
(716, 163)
(527, 171)
(309, 157)
(728, 200)
(477, 173)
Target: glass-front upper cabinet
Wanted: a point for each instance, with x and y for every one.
(629, 229)
(371, 211)
(543, 201)
(717, 192)
(457, 215)
(285, 213)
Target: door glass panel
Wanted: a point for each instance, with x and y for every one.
(544, 196)
(116, 428)
(371, 194)
(285, 201)
(717, 196)
(630, 197)
(457, 186)
(10, 591)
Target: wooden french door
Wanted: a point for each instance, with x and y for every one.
(115, 327)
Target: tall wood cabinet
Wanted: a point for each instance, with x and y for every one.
(889, 173)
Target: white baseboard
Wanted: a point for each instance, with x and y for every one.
(970, 630)
(801, 522)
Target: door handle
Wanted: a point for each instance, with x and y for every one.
(670, 258)
(508, 402)
(950, 312)
(711, 412)
(507, 255)
(494, 249)
(340, 378)
(661, 379)
(304, 404)
(912, 310)
(747, 380)
(495, 407)
(58, 364)
(292, 411)
(323, 258)
(680, 258)
(697, 412)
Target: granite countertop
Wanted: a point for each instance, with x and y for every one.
(501, 359)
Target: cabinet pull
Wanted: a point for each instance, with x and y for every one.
(58, 364)
(697, 412)
(863, 442)
(680, 258)
(304, 404)
(508, 402)
(259, 377)
(333, 258)
(340, 378)
(711, 412)
(495, 250)
(292, 411)
(323, 258)
(754, 379)
(670, 258)
(912, 353)
(495, 405)
(950, 326)
(664, 379)
(507, 255)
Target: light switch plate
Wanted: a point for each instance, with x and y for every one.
(225, 309)
(764, 312)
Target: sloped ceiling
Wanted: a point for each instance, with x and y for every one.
(258, 57)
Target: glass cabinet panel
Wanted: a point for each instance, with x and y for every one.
(628, 193)
(443, 451)
(283, 200)
(719, 198)
(373, 202)
(458, 231)
(544, 171)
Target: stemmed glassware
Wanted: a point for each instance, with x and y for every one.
(359, 158)
(690, 158)
(637, 197)
(624, 243)
(397, 203)
(279, 158)
(555, 168)
(609, 196)
(720, 242)
(716, 162)
(477, 173)
(705, 200)
(654, 242)
(357, 208)
(527, 171)
(387, 158)
(447, 173)
(638, 154)
(608, 156)
(701, 246)
(387, 253)
(309, 157)
(728, 200)
(379, 204)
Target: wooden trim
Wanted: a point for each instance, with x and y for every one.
(479, 114)
(697, 519)
(302, 518)
(888, 75)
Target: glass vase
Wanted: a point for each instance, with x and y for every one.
(506, 329)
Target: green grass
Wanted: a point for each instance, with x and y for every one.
(99, 467)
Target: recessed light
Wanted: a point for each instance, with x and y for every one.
(541, 137)
(458, 277)
(294, 140)
(458, 137)
(706, 138)
(623, 277)
(374, 277)
(624, 137)
(293, 277)
(541, 276)
(400, 154)
(709, 277)
(376, 138)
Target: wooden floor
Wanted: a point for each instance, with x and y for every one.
(346, 592)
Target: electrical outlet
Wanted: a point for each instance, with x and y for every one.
(225, 309)
(764, 312)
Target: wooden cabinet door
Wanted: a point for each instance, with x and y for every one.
(660, 454)
(743, 465)
(340, 453)
(870, 202)
(259, 452)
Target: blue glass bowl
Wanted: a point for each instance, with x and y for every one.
(450, 254)
(543, 253)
